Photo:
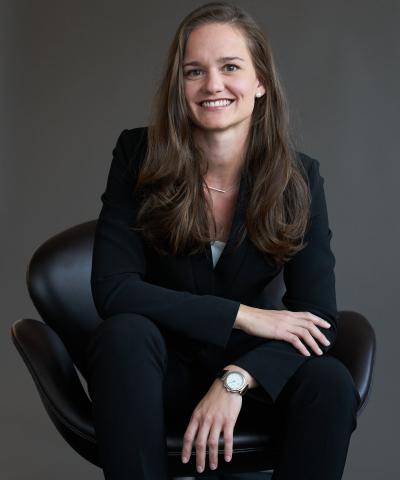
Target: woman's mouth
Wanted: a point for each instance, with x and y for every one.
(216, 104)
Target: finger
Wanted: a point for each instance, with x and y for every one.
(296, 342)
(188, 439)
(228, 441)
(213, 441)
(307, 338)
(200, 443)
(317, 320)
(313, 329)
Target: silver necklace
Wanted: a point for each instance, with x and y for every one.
(220, 189)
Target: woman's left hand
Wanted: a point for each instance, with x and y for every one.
(217, 411)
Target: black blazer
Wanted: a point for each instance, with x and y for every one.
(196, 303)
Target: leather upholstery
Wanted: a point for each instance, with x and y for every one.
(58, 279)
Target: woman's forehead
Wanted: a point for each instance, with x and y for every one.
(215, 41)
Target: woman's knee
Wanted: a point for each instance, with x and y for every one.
(128, 332)
(327, 378)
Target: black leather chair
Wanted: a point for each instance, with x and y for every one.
(58, 279)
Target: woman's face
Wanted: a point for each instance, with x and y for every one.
(218, 66)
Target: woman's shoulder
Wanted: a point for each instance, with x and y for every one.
(133, 141)
(135, 135)
(310, 169)
(307, 162)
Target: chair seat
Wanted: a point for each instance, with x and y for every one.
(253, 451)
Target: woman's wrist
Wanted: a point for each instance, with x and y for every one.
(244, 317)
(250, 380)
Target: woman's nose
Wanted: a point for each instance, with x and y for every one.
(214, 82)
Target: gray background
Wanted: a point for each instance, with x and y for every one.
(74, 74)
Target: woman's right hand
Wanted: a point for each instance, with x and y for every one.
(292, 327)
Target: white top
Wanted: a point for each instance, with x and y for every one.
(216, 248)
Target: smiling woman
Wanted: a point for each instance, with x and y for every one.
(220, 94)
(202, 209)
(198, 149)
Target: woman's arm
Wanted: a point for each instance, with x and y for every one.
(119, 263)
(310, 275)
(310, 287)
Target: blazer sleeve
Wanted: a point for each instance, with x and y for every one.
(310, 286)
(119, 262)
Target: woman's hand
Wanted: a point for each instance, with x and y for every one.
(218, 410)
(283, 325)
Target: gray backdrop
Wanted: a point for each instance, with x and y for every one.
(74, 74)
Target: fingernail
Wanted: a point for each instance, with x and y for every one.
(320, 351)
(227, 458)
(213, 467)
(199, 468)
(184, 459)
(327, 342)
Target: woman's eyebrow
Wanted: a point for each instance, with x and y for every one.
(196, 63)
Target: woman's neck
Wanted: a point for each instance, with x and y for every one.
(225, 153)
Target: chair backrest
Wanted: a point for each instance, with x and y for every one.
(58, 280)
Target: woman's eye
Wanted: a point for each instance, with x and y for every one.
(232, 65)
(196, 71)
(192, 73)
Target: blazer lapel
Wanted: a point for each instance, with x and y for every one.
(218, 280)
(202, 269)
(233, 256)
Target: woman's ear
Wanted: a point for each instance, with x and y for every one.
(261, 89)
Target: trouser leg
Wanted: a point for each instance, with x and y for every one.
(318, 410)
(141, 383)
(126, 361)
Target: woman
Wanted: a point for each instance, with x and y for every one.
(201, 211)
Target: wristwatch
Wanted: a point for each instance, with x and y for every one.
(234, 381)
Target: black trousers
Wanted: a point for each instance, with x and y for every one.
(139, 380)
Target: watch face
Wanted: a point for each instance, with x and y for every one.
(235, 381)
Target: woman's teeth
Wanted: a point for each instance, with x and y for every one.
(219, 103)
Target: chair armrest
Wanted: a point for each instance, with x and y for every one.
(55, 377)
(355, 347)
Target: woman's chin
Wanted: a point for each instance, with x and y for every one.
(213, 124)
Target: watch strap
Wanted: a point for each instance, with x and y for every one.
(222, 372)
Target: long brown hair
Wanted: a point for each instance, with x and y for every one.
(175, 214)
